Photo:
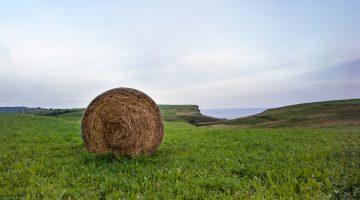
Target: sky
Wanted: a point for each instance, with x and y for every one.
(216, 54)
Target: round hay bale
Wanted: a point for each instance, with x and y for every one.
(123, 121)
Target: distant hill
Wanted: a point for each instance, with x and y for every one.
(38, 110)
(318, 114)
(185, 113)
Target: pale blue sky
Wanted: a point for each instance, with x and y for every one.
(217, 54)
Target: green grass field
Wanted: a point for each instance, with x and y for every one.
(43, 157)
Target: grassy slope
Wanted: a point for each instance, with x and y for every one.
(43, 157)
(184, 113)
(319, 114)
(169, 112)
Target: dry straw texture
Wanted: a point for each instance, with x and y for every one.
(123, 121)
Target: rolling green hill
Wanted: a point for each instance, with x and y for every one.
(184, 113)
(318, 114)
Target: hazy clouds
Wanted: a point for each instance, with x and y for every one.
(212, 53)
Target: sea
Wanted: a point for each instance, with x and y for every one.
(231, 113)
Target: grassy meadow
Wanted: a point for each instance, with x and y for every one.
(42, 157)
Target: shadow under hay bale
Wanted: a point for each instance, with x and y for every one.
(123, 121)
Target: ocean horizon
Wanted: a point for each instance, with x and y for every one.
(231, 113)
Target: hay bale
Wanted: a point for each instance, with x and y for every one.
(123, 121)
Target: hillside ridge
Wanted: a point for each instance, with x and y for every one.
(185, 113)
(316, 114)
